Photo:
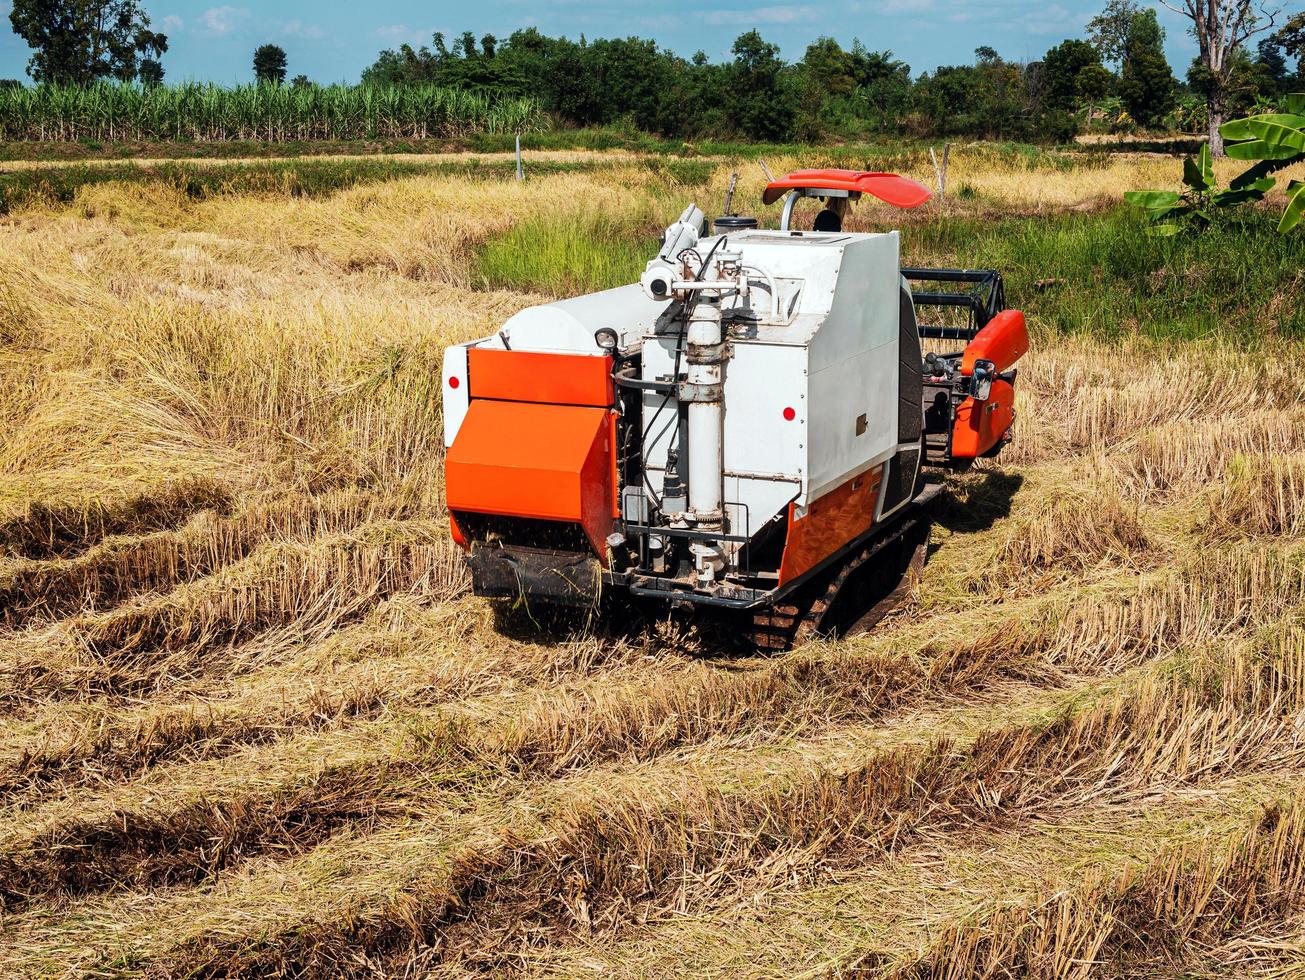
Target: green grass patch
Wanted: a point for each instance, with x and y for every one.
(890, 153)
(586, 249)
(564, 257)
(1240, 279)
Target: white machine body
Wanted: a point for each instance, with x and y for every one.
(807, 328)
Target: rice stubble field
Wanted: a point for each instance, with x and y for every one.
(252, 723)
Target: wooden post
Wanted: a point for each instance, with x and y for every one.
(941, 171)
(521, 175)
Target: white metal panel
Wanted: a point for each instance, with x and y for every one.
(765, 457)
(456, 400)
(764, 453)
(838, 396)
(866, 309)
(568, 326)
(761, 380)
(853, 368)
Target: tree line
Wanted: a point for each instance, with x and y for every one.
(1117, 77)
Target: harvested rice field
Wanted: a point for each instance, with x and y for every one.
(253, 724)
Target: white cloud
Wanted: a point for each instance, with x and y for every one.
(403, 34)
(783, 14)
(1055, 19)
(223, 20)
(305, 32)
(172, 23)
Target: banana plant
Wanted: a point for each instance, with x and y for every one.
(1171, 212)
(1276, 140)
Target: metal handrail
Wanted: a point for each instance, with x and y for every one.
(984, 302)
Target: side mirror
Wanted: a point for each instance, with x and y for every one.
(607, 339)
(981, 383)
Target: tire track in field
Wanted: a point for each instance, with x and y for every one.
(397, 661)
(1150, 921)
(51, 531)
(115, 570)
(285, 593)
(570, 730)
(601, 865)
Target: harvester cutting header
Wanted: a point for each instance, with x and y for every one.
(746, 429)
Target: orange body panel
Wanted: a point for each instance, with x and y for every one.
(841, 515)
(459, 538)
(1003, 341)
(550, 462)
(980, 425)
(529, 376)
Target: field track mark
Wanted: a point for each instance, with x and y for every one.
(118, 569)
(404, 659)
(890, 911)
(285, 591)
(592, 723)
(50, 531)
(195, 731)
(627, 722)
(601, 864)
(197, 843)
(1143, 921)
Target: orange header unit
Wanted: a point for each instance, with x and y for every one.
(896, 190)
(980, 426)
(1003, 341)
(541, 462)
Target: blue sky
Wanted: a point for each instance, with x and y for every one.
(335, 41)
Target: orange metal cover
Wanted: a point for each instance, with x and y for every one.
(846, 512)
(551, 462)
(1003, 341)
(980, 425)
(530, 376)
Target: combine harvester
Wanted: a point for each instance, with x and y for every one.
(746, 431)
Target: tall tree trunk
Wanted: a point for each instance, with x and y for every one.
(1214, 107)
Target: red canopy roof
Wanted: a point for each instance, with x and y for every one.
(899, 191)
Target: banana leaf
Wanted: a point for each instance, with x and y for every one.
(1198, 173)
(1240, 129)
(1260, 150)
(1276, 134)
(1152, 200)
(1295, 206)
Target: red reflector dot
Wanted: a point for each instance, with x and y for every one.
(454, 382)
(789, 415)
